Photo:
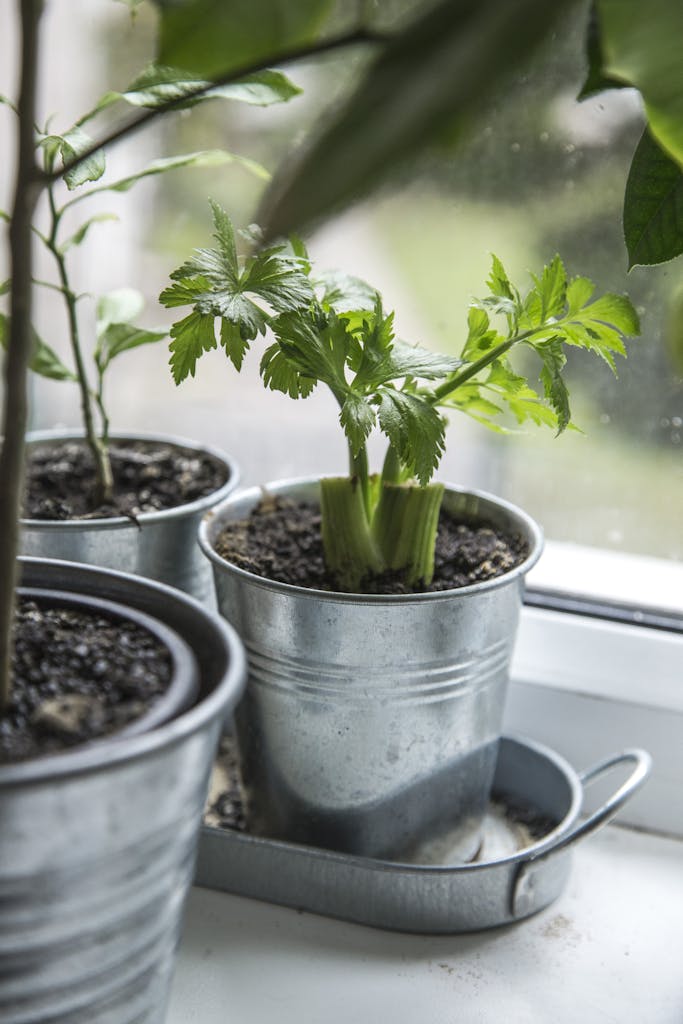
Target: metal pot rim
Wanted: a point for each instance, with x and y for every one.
(214, 517)
(121, 522)
(114, 750)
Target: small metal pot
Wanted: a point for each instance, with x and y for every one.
(160, 545)
(371, 721)
(97, 844)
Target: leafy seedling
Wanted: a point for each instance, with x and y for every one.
(334, 331)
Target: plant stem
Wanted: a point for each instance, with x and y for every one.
(458, 379)
(15, 412)
(405, 526)
(359, 470)
(350, 549)
(98, 445)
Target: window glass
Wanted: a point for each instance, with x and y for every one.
(540, 174)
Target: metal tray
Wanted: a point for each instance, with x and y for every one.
(514, 875)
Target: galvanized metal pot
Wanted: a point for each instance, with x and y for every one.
(97, 845)
(370, 722)
(161, 545)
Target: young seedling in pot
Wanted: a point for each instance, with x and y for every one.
(334, 331)
(154, 89)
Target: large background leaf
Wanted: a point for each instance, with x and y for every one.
(653, 206)
(210, 37)
(431, 80)
(642, 46)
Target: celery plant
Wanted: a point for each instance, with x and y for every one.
(335, 332)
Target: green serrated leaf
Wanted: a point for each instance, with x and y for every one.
(615, 311)
(480, 337)
(184, 291)
(279, 374)
(554, 386)
(191, 338)
(653, 206)
(5, 286)
(79, 235)
(498, 281)
(415, 429)
(213, 282)
(122, 337)
(551, 288)
(414, 361)
(345, 293)
(234, 343)
(357, 418)
(318, 351)
(579, 292)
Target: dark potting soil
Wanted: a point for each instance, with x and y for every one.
(77, 676)
(148, 477)
(281, 541)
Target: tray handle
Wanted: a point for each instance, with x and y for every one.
(525, 894)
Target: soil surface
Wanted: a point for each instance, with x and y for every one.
(148, 477)
(281, 541)
(77, 676)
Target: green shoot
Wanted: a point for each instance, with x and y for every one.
(82, 166)
(335, 332)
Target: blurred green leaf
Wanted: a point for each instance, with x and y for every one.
(433, 78)
(118, 338)
(70, 146)
(203, 158)
(5, 286)
(116, 307)
(210, 37)
(44, 360)
(596, 79)
(79, 235)
(641, 46)
(653, 206)
(7, 102)
(159, 85)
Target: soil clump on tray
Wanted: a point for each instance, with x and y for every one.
(148, 477)
(281, 541)
(77, 675)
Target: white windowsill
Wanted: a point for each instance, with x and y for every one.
(610, 575)
(607, 952)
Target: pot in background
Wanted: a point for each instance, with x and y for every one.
(371, 722)
(161, 545)
(97, 844)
